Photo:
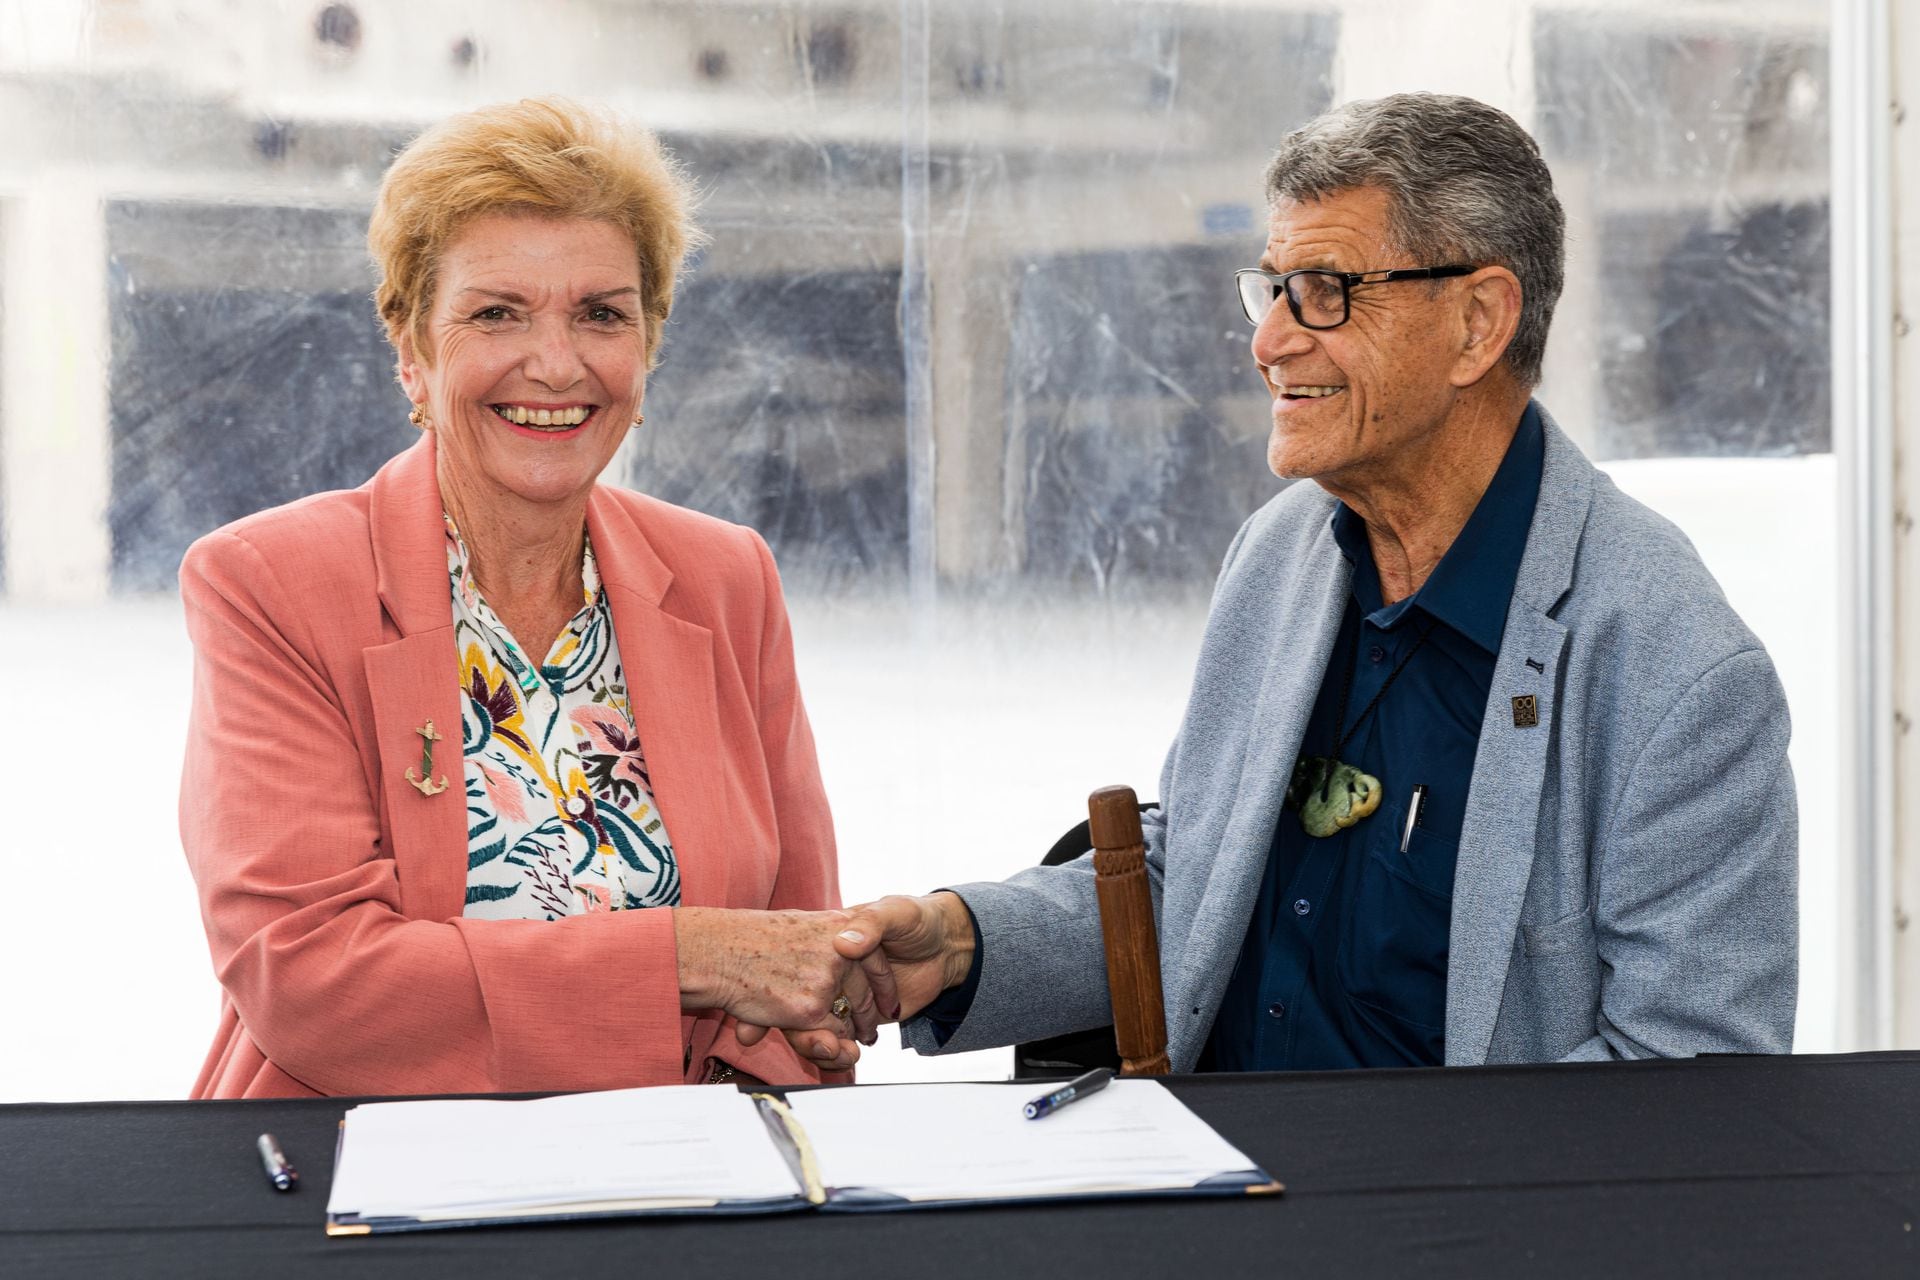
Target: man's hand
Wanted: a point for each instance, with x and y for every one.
(927, 944)
(780, 969)
(909, 949)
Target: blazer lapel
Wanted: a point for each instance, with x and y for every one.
(1501, 826)
(1309, 613)
(414, 684)
(669, 667)
(1303, 615)
(414, 687)
(1498, 833)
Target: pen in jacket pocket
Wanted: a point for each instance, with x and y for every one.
(1413, 814)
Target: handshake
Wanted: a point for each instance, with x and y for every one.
(824, 979)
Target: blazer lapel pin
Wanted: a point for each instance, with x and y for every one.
(427, 785)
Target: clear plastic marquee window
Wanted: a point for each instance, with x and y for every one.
(964, 348)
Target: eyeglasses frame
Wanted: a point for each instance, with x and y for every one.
(1347, 279)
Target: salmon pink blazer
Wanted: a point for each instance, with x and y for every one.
(332, 889)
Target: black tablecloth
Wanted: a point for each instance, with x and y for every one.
(1803, 1166)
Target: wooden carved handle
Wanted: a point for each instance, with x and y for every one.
(1126, 924)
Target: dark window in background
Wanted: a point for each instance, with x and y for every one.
(248, 369)
(1713, 313)
(780, 399)
(1726, 354)
(1122, 370)
(1135, 421)
(779, 405)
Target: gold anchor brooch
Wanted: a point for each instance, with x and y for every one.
(427, 785)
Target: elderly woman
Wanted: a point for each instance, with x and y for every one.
(498, 778)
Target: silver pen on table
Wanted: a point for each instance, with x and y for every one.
(280, 1172)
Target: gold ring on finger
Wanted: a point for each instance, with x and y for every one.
(841, 1007)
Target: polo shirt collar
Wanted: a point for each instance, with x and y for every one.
(1472, 586)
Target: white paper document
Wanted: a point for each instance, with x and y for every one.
(681, 1144)
(406, 1166)
(973, 1141)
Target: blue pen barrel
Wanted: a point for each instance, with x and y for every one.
(1079, 1087)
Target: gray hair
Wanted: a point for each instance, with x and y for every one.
(1464, 183)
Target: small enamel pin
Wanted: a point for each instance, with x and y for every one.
(424, 781)
(1526, 711)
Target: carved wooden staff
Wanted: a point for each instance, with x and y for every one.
(1126, 925)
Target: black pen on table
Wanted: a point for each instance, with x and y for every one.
(279, 1172)
(1073, 1090)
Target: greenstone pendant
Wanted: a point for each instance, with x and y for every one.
(1331, 796)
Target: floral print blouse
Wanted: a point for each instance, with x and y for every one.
(561, 818)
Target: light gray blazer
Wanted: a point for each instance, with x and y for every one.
(1627, 874)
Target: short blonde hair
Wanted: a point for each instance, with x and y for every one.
(549, 157)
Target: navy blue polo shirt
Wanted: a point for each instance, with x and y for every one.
(1345, 960)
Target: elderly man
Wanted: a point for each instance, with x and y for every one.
(1479, 765)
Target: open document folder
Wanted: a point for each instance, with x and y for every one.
(409, 1166)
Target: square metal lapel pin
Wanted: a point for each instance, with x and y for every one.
(1526, 711)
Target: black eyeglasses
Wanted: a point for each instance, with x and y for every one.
(1318, 299)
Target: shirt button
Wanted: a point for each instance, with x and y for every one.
(1377, 654)
(1301, 906)
(1276, 1010)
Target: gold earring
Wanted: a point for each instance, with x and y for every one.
(639, 419)
(419, 416)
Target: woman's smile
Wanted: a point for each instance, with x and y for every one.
(546, 420)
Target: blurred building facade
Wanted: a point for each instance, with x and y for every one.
(964, 319)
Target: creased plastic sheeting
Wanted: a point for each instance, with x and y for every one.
(1699, 159)
(1053, 279)
(248, 370)
(966, 303)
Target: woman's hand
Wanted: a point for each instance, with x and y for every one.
(823, 1049)
(914, 948)
(780, 969)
